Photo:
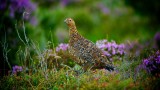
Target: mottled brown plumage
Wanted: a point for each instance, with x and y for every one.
(86, 52)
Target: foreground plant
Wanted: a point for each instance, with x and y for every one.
(17, 69)
(111, 49)
(152, 64)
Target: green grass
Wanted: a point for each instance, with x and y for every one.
(66, 79)
(59, 72)
(44, 71)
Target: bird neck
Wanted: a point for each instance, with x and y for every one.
(73, 29)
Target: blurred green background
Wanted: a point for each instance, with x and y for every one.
(104, 19)
(119, 20)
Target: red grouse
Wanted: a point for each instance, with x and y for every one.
(87, 54)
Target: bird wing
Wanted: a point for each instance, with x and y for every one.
(86, 51)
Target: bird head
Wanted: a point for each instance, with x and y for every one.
(70, 22)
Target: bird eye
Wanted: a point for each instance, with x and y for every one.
(70, 20)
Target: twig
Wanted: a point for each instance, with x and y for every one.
(6, 51)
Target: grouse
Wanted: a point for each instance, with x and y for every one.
(87, 54)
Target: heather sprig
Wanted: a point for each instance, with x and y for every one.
(152, 64)
(62, 46)
(16, 69)
(111, 49)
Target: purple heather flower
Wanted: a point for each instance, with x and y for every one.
(121, 46)
(154, 67)
(101, 43)
(158, 59)
(121, 52)
(19, 6)
(113, 51)
(108, 46)
(114, 45)
(16, 69)
(102, 46)
(110, 49)
(145, 62)
(106, 53)
(152, 63)
(62, 46)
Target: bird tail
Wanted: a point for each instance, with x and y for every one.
(109, 67)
